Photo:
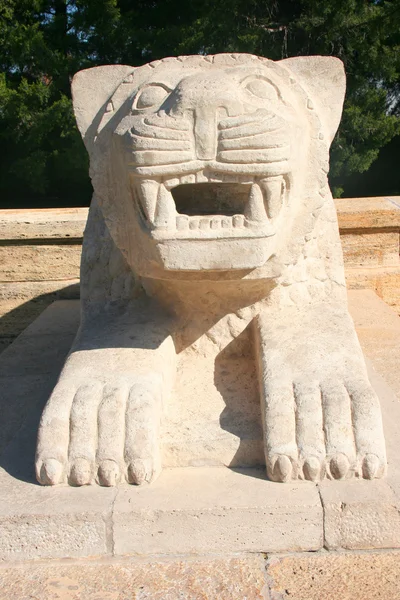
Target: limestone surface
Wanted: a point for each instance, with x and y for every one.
(308, 576)
(192, 510)
(212, 234)
(206, 578)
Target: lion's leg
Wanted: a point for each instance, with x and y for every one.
(321, 415)
(102, 421)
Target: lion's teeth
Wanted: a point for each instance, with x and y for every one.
(226, 222)
(272, 189)
(204, 224)
(148, 194)
(200, 177)
(165, 213)
(238, 220)
(194, 223)
(255, 209)
(191, 178)
(265, 202)
(182, 222)
(171, 183)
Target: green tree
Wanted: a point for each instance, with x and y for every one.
(43, 159)
(44, 42)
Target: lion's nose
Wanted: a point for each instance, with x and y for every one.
(205, 132)
(204, 100)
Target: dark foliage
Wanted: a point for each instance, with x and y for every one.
(44, 42)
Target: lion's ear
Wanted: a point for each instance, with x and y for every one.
(91, 91)
(324, 79)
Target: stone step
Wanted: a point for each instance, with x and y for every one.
(307, 576)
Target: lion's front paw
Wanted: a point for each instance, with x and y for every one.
(100, 432)
(330, 428)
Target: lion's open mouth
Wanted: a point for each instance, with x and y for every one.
(211, 205)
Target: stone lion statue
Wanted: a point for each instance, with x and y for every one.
(211, 219)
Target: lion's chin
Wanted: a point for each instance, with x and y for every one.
(211, 221)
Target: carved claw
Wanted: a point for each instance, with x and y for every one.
(339, 466)
(140, 471)
(282, 469)
(108, 473)
(51, 472)
(312, 469)
(81, 472)
(370, 466)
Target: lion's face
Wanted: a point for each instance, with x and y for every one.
(217, 158)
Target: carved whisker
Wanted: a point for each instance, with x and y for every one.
(247, 156)
(255, 141)
(163, 133)
(167, 123)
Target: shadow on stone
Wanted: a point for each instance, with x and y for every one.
(29, 369)
(236, 380)
(16, 320)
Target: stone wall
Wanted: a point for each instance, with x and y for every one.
(40, 254)
(370, 234)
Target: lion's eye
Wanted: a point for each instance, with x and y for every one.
(151, 95)
(262, 89)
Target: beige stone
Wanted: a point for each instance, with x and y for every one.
(42, 224)
(35, 525)
(22, 302)
(225, 578)
(385, 281)
(370, 232)
(40, 254)
(369, 229)
(212, 246)
(216, 510)
(38, 263)
(193, 510)
(371, 249)
(348, 576)
(29, 367)
(368, 213)
(361, 222)
(70, 536)
(378, 329)
(359, 517)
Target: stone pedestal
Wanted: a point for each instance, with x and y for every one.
(192, 510)
(197, 532)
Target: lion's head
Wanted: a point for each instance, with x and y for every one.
(215, 163)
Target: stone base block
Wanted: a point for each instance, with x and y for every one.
(306, 576)
(334, 576)
(216, 509)
(222, 578)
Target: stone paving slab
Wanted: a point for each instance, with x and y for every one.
(334, 576)
(306, 576)
(358, 515)
(193, 510)
(232, 578)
